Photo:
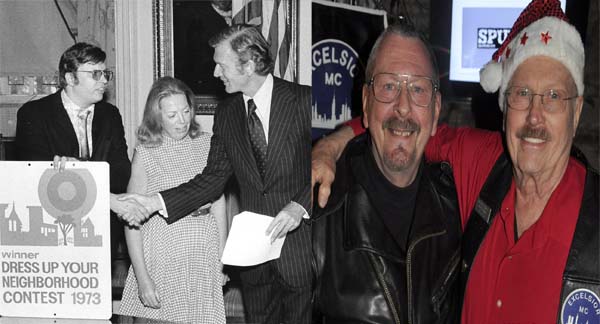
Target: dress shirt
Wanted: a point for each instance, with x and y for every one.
(73, 111)
(262, 100)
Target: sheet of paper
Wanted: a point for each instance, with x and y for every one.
(247, 243)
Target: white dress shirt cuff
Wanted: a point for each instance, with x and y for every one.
(299, 209)
(163, 210)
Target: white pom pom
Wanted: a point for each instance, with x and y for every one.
(490, 76)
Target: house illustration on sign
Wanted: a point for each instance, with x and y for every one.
(40, 233)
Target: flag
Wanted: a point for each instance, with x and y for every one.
(247, 12)
(274, 18)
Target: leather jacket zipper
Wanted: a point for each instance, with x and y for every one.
(386, 290)
(410, 309)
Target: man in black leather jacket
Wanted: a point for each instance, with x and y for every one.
(386, 247)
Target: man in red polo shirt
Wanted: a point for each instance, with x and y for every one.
(529, 207)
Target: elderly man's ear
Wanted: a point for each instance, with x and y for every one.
(437, 107)
(365, 95)
(249, 67)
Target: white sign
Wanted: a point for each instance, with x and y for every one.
(55, 240)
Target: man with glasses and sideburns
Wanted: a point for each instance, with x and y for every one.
(75, 124)
(386, 247)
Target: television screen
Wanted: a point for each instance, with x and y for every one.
(478, 29)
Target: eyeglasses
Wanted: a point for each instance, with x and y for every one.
(97, 74)
(520, 98)
(387, 87)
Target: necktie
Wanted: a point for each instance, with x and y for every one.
(257, 138)
(84, 151)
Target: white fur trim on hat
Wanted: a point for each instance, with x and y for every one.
(562, 44)
(490, 76)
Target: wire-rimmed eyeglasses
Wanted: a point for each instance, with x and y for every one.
(97, 74)
(387, 87)
(553, 100)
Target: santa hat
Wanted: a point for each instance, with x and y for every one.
(541, 29)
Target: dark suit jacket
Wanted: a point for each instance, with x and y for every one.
(287, 177)
(44, 130)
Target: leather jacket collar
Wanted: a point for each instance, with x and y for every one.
(358, 224)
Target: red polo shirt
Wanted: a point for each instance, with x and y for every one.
(510, 282)
(516, 283)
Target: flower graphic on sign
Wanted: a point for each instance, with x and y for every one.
(67, 196)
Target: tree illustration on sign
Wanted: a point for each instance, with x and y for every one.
(66, 224)
(67, 196)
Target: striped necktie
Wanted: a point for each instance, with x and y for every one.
(84, 150)
(257, 138)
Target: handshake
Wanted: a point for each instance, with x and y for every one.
(134, 209)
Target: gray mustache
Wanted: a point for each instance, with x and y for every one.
(528, 131)
(395, 123)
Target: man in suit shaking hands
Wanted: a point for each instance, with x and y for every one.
(262, 137)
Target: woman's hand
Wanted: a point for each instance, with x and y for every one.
(148, 294)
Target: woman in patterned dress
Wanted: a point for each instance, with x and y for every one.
(176, 273)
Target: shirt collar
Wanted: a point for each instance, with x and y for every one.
(262, 97)
(70, 106)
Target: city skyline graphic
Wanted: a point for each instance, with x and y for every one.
(335, 119)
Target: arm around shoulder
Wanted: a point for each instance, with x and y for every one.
(325, 153)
